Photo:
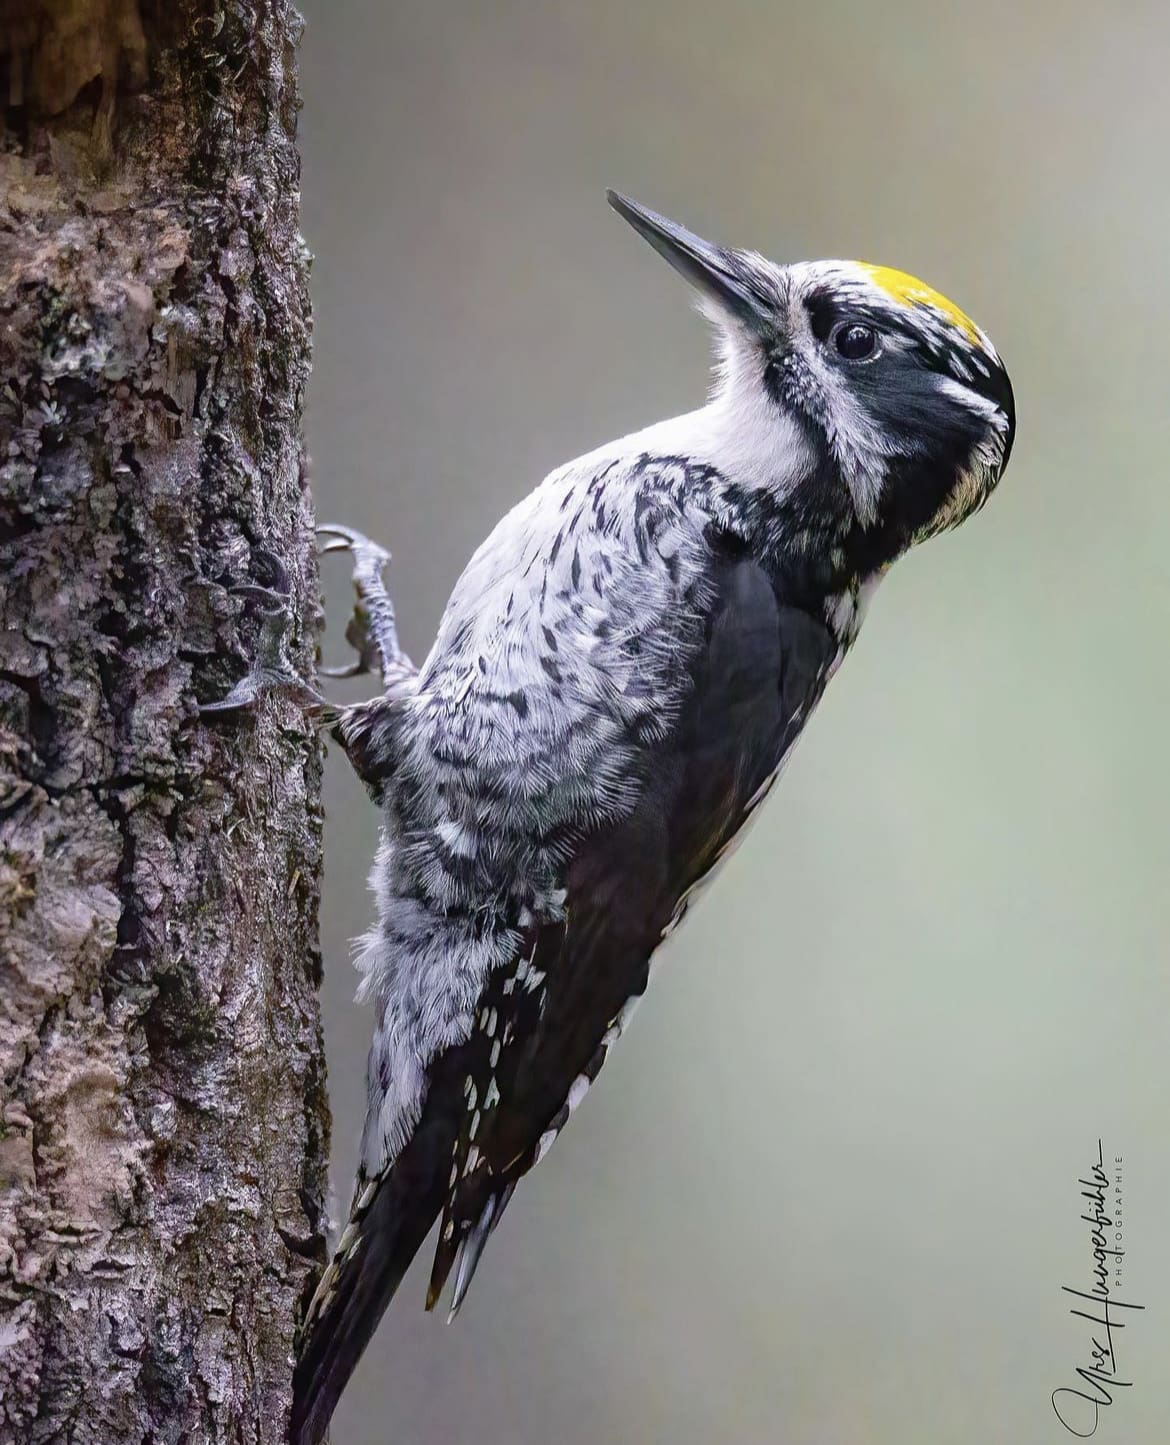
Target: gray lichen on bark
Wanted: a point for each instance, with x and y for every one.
(163, 1127)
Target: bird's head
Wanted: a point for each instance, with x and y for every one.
(879, 382)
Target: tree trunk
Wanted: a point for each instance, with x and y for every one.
(163, 1125)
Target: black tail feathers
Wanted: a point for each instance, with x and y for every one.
(375, 1252)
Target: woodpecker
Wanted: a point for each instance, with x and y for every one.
(618, 678)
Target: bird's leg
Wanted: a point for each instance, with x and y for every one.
(372, 630)
(360, 728)
(272, 670)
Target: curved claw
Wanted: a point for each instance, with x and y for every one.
(273, 567)
(253, 592)
(272, 672)
(347, 540)
(250, 690)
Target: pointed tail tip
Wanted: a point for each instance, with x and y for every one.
(309, 1426)
(471, 1249)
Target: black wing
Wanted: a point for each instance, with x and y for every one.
(545, 1023)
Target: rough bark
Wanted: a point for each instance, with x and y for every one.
(163, 1128)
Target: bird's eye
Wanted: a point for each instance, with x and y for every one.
(856, 342)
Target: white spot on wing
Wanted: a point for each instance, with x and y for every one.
(627, 1011)
(577, 1091)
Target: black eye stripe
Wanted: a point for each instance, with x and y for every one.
(828, 311)
(906, 340)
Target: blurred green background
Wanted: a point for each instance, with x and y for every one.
(825, 1193)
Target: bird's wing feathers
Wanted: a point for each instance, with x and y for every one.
(546, 1022)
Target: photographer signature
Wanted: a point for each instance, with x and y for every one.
(1078, 1408)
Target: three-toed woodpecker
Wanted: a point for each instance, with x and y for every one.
(617, 680)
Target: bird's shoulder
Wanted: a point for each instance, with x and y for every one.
(613, 532)
(589, 597)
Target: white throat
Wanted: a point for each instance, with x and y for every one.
(740, 432)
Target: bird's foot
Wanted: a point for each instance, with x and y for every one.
(372, 631)
(272, 670)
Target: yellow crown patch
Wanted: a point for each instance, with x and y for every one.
(909, 291)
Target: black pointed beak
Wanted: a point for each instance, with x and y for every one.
(708, 268)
